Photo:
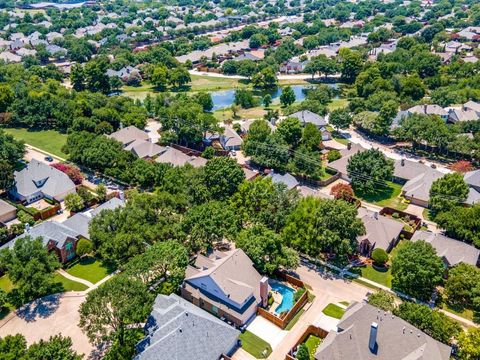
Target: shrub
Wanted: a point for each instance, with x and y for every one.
(383, 300)
(72, 172)
(25, 218)
(379, 256)
(208, 153)
(298, 294)
(333, 155)
(342, 191)
(84, 247)
(302, 353)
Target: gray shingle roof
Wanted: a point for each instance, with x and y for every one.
(396, 339)
(453, 251)
(379, 230)
(306, 116)
(179, 330)
(5, 207)
(472, 178)
(144, 149)
(408, 170)
(38, 176)
(419, 186)
(128, 135)
(287, 179)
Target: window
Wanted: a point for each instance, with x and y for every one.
(214, 309)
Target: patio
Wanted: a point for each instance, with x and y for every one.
(39, 205)
(267, 331)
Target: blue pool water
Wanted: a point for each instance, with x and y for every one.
(287, 297)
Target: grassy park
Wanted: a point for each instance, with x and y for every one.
(50, 141)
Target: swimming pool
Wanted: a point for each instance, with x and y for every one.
(287, 297)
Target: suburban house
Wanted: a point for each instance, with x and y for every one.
(39, 180)
(306, 116)
(417, 190)
(178, 158)
(55, 236)
(472, 105)
(177, 329)
(286, 179)
(340, 165)
(227, 285)
(459, 115)
(250, 174)
(128, 135)
(472, 178)
(7, 212)
(405, 170)
(229, 139)
(450, 250)
(429, 110)
(380, 232)
(366, 333)
(144, 149)
(62, 238)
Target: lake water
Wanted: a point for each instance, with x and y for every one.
(225, 98)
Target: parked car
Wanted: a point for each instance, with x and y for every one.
(48, 158)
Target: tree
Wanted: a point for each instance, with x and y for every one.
(207, 223)
(13, 347)
(322, 65)
(340, 118)
(265, 79)
(267, 100)
(447, 192)
(432, 322)
(302, 352)
(290, 130)
(244, 98)
(179, 76)
(287, 97)
(257, 135)
(369, 170)
(72, 172)
(77, 77)
(265, 248)
(351, 65)
(57, 347)
(30, 267)
(469, 344)
(11, 150)
(223, 175)
(74, 202)
(164, 262)
(6, 175)
(342, 191)
(306, 162)
(114, 306)
(462, 287)
(96, 75)
(379, 256)
(3, 299)
(84, 247)
(318, 225)
(159, 77)
(462, 223)
(204, 99)
(265, 202)
(101, 191)
(257, 40)
(416, 269)
(382, 300)
(116, 83)
(311, 137)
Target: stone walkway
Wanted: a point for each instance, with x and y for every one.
(74, 278)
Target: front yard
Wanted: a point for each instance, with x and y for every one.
(90, 269)
(334, 311)
(382, 277)
(254, 345)
(388, 196)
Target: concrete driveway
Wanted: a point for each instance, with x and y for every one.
(52, 315)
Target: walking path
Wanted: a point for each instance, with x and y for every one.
(74, 278)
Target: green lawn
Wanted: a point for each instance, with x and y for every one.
(69, 285)
(346, 303)
(334, 311)
(89, 269)
(312, 345)
(50, 141)
(255, 346)
(385, 196)
(380, 277)
(427, 214)
(337, 104)
(294, 320)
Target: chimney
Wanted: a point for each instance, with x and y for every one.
(372, 343)
(264, 291)
(402, 162)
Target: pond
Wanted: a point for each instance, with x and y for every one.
(224, 98)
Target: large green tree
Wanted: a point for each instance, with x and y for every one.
(369, 170)
(447, 192)
(469, 344)
(265, 248)
(340, 118)
(30, 267)
(222, 176)
(287, 96)
(318, 225)
(290, 130)
(114, 306)
(417, 269)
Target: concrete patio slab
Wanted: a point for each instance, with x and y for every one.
(267, 331)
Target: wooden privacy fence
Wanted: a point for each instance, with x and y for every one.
(311, 330)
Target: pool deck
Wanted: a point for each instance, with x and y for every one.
(277, 300)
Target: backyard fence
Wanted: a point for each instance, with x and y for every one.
(401, 214)
(311, 330)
